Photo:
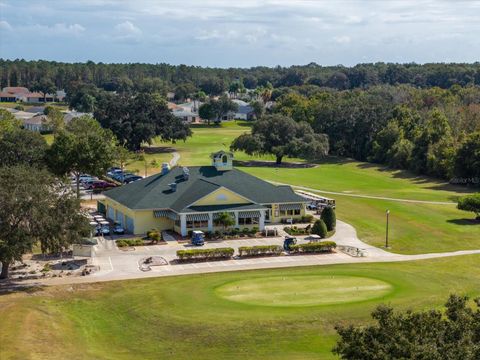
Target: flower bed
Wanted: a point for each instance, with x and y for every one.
(293, 230)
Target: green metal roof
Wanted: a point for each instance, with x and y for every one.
(154, 191)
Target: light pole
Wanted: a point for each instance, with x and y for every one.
(386, 233)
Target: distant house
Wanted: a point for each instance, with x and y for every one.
(36, 123)
(7, 97)
(70, 115)
(16, 90)
(36, 97)
(188, 111)
(244, 112)
(187, 116)
(60, 95)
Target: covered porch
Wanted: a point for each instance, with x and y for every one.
(206, 220)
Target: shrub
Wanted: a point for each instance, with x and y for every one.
(129, 242)
(308, 218)
(205, 254)
(328, 216)
(246, 230)
(296, 231)
(320, 229)
(319, 247)
(260, 250)
(254, 230)
(154, 235)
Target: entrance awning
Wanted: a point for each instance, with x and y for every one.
(249, 214)
(197, 217)
(291, 206)
(165, 213)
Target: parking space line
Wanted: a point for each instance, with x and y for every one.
(110, 261)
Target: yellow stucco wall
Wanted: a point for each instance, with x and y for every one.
(221, 196)
(144, 221)
(276, 209)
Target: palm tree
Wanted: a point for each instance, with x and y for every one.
(225, 219)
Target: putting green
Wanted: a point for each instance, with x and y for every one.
(293, 291)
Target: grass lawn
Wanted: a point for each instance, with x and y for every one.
(190, 317)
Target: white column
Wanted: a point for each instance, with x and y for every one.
(236, 218)
(183, 224)
(210, 222)
(262, 220)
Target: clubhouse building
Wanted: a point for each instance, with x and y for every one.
(192, 198)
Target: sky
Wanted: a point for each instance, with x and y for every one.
(241, 33)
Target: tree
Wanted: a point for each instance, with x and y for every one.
(470, 203)
(467, 159)
(329, 217)
(139, 119)
(45, 86)
(319, 228)
(36, 208)
(83, 147)
(225, 219)
(223, 106)
(258, 108)
(8, 122)
(415, 335)
(122, 156)
(55, 119)
(22, 147)
(207, 112)
(281, 136)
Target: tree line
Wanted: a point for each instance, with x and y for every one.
(214, 81)
(430, 131)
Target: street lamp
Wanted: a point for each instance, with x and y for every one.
(386, 233)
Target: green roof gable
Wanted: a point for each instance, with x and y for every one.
(154, 191)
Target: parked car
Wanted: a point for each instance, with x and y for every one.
(105, 230)
(118, 229)
(114, 170)
(100, 184)
(131, 178)
(312, 206)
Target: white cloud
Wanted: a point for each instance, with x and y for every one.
(4, 25)
(342, 39)
(127, 32)
(61, 28)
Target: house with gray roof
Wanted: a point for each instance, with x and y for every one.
(192, 198)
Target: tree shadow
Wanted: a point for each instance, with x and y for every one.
(16, 286)
(464, 221)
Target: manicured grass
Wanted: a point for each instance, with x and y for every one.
(185, 317)
(307, 290)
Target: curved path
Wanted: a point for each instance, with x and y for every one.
(367, 196)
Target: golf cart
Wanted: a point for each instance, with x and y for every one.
(198, 238)
(288, 242)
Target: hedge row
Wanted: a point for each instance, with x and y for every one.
(319, 247)
(204, 254)
(129, 242)
(260, 250)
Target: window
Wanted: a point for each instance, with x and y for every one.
(197, 224)
(247, 221)
(224, 159)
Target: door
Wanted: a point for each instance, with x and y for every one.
(119, 218)
(111, 213)
(129, 224)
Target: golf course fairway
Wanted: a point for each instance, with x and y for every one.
(312, 290)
